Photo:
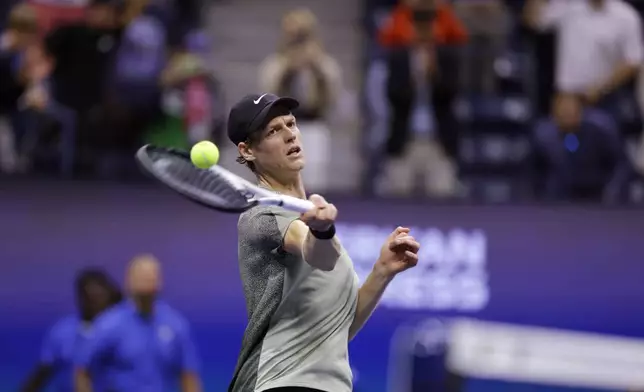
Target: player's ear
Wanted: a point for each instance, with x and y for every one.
(245, 151)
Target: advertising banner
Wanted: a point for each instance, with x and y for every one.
(577, 268)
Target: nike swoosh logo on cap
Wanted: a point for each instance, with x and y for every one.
(259, 99)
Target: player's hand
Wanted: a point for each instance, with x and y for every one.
(322, 216)
(399, 253)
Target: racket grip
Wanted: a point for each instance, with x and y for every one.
(295, 204)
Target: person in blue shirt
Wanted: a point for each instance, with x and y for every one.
(95, 292)
(583, 151)
(141, 345)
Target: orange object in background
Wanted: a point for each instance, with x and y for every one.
(399, 28)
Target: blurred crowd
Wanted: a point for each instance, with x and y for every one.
(83, 85)
(489, 99)
(507, 99)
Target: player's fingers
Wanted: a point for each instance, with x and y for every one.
(332, 212)
(402, 239)
(411, 258)
(411, 244)
(398, 231)
(325, 216)
(318, 201)
(309, 215)
(407, 241)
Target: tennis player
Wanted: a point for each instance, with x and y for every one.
(302, 294)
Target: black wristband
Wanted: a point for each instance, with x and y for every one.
(324, 235)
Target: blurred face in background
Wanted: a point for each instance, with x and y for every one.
(36, 65)
(144, 282)
(93, 299)
(567, 111)
(102, 16)
(423, 15)
(22, 26)
(298, 27)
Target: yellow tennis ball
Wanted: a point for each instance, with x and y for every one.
(204, 154)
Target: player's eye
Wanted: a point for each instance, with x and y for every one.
(291, 124)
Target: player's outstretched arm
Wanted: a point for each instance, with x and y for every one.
(313, 236)
(399, 253)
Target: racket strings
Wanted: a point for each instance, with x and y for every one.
(204, 181)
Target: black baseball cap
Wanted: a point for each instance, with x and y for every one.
(252, 113)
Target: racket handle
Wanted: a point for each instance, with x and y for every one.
(295, 204)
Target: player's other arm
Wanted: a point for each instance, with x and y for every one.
(399, 253)
(313, 236)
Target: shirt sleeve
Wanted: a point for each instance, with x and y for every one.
(49, 349)
(631, 43)
(97, 346)
(553, 14)
(189, 356)
(266, 226)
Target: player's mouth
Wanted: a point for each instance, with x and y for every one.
(294, 151)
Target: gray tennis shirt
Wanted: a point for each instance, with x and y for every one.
(298, 316)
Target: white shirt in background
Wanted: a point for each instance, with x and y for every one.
(592, 42)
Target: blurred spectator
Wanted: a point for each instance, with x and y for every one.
(5, 8)
(142, 344)
(583, 152)
(16, 47)
(192, 98)
(95, 292)
(401, 27)
(599, 48)
(420, 85)
(91, 43)
(488, 23)
(164, 57)
(139, 60)
(82, 55)
(302, 69)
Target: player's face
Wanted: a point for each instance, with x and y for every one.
(279, 149)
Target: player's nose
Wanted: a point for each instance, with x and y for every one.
(289, 136)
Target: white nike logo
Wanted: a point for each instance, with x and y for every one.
(259, 99)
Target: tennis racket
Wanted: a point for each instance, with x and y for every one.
(215, 187)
